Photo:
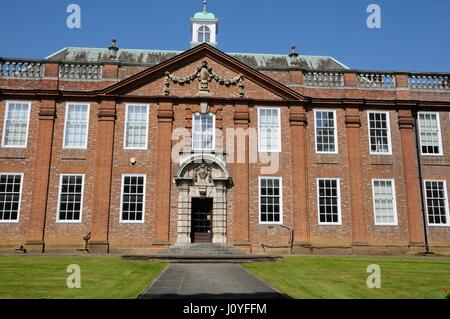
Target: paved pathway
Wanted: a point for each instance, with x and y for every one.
(208, 281)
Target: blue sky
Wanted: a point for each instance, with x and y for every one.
(415, 34)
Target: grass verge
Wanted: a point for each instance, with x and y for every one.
(346, 277)
(101, 277)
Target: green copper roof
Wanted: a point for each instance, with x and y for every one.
(204, 16)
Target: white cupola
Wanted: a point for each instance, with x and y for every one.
(204, 27)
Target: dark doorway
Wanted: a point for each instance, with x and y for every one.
(202, 215)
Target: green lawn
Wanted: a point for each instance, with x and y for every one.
(101, 277)
(345, 277)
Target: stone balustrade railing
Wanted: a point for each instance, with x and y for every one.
(86, 72)
(428, 82)
(22, 69)
(324, 79)
(376, 80)
(27, 69)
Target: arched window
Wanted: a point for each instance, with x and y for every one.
(204, 34)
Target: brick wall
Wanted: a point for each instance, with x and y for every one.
(300, 166)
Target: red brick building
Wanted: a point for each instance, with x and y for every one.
(146, 149)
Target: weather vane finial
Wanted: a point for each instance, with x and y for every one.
(205, 3)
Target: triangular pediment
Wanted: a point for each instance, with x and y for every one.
(203, 71)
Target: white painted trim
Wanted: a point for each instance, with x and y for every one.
(280, 179)
(125, 147)
(213, 131)
(80, 220)
(438, 118)
(388, 124)
(4, 124)
(121, 221)
(16, 221)
(260, 149)
(85, 146)
(336, 139)
(446, 202)
(338, 184)
(394, 203)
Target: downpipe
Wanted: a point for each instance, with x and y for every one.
(422, 199)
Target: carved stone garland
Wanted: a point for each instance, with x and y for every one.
(204, 74)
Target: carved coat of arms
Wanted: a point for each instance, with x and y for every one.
(203, 174)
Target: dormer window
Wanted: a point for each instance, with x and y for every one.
(204, 34)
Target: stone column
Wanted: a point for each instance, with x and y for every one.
(298, 122)
(184, 214)
(103, 168)
(359, 227)
(241, 182)
(220, 214)
(35, 231)
(411, 179)
(164, 174)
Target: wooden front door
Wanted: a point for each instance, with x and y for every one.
(202, 215)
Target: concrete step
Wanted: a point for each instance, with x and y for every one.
(204, 259)
(204, 253)
(203, 249)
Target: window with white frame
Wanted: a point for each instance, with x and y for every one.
(76, 126)
(270, 200)
(437, 202)
(328, 192)
(326, 132)
(269, 129)
(203, 128)
(379, 133)
(15, 127)
(136, 127)
(70, 205)
(10, 194)
(430, 133)
(204, 34)
(133, 198)
(384, 202)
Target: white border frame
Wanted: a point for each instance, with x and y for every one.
(260, 149)
(336, 138)
(446, 202)
(22, 180)
(438, 118)
(388, 122)
(4, 124)
(121, 221)
(125, 147)
(80, 221)
(214, 133)
(394, 203)
(87, 126)
(281, 200)
(338, 180)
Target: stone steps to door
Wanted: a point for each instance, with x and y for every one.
(204, 253)
(190, 249)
